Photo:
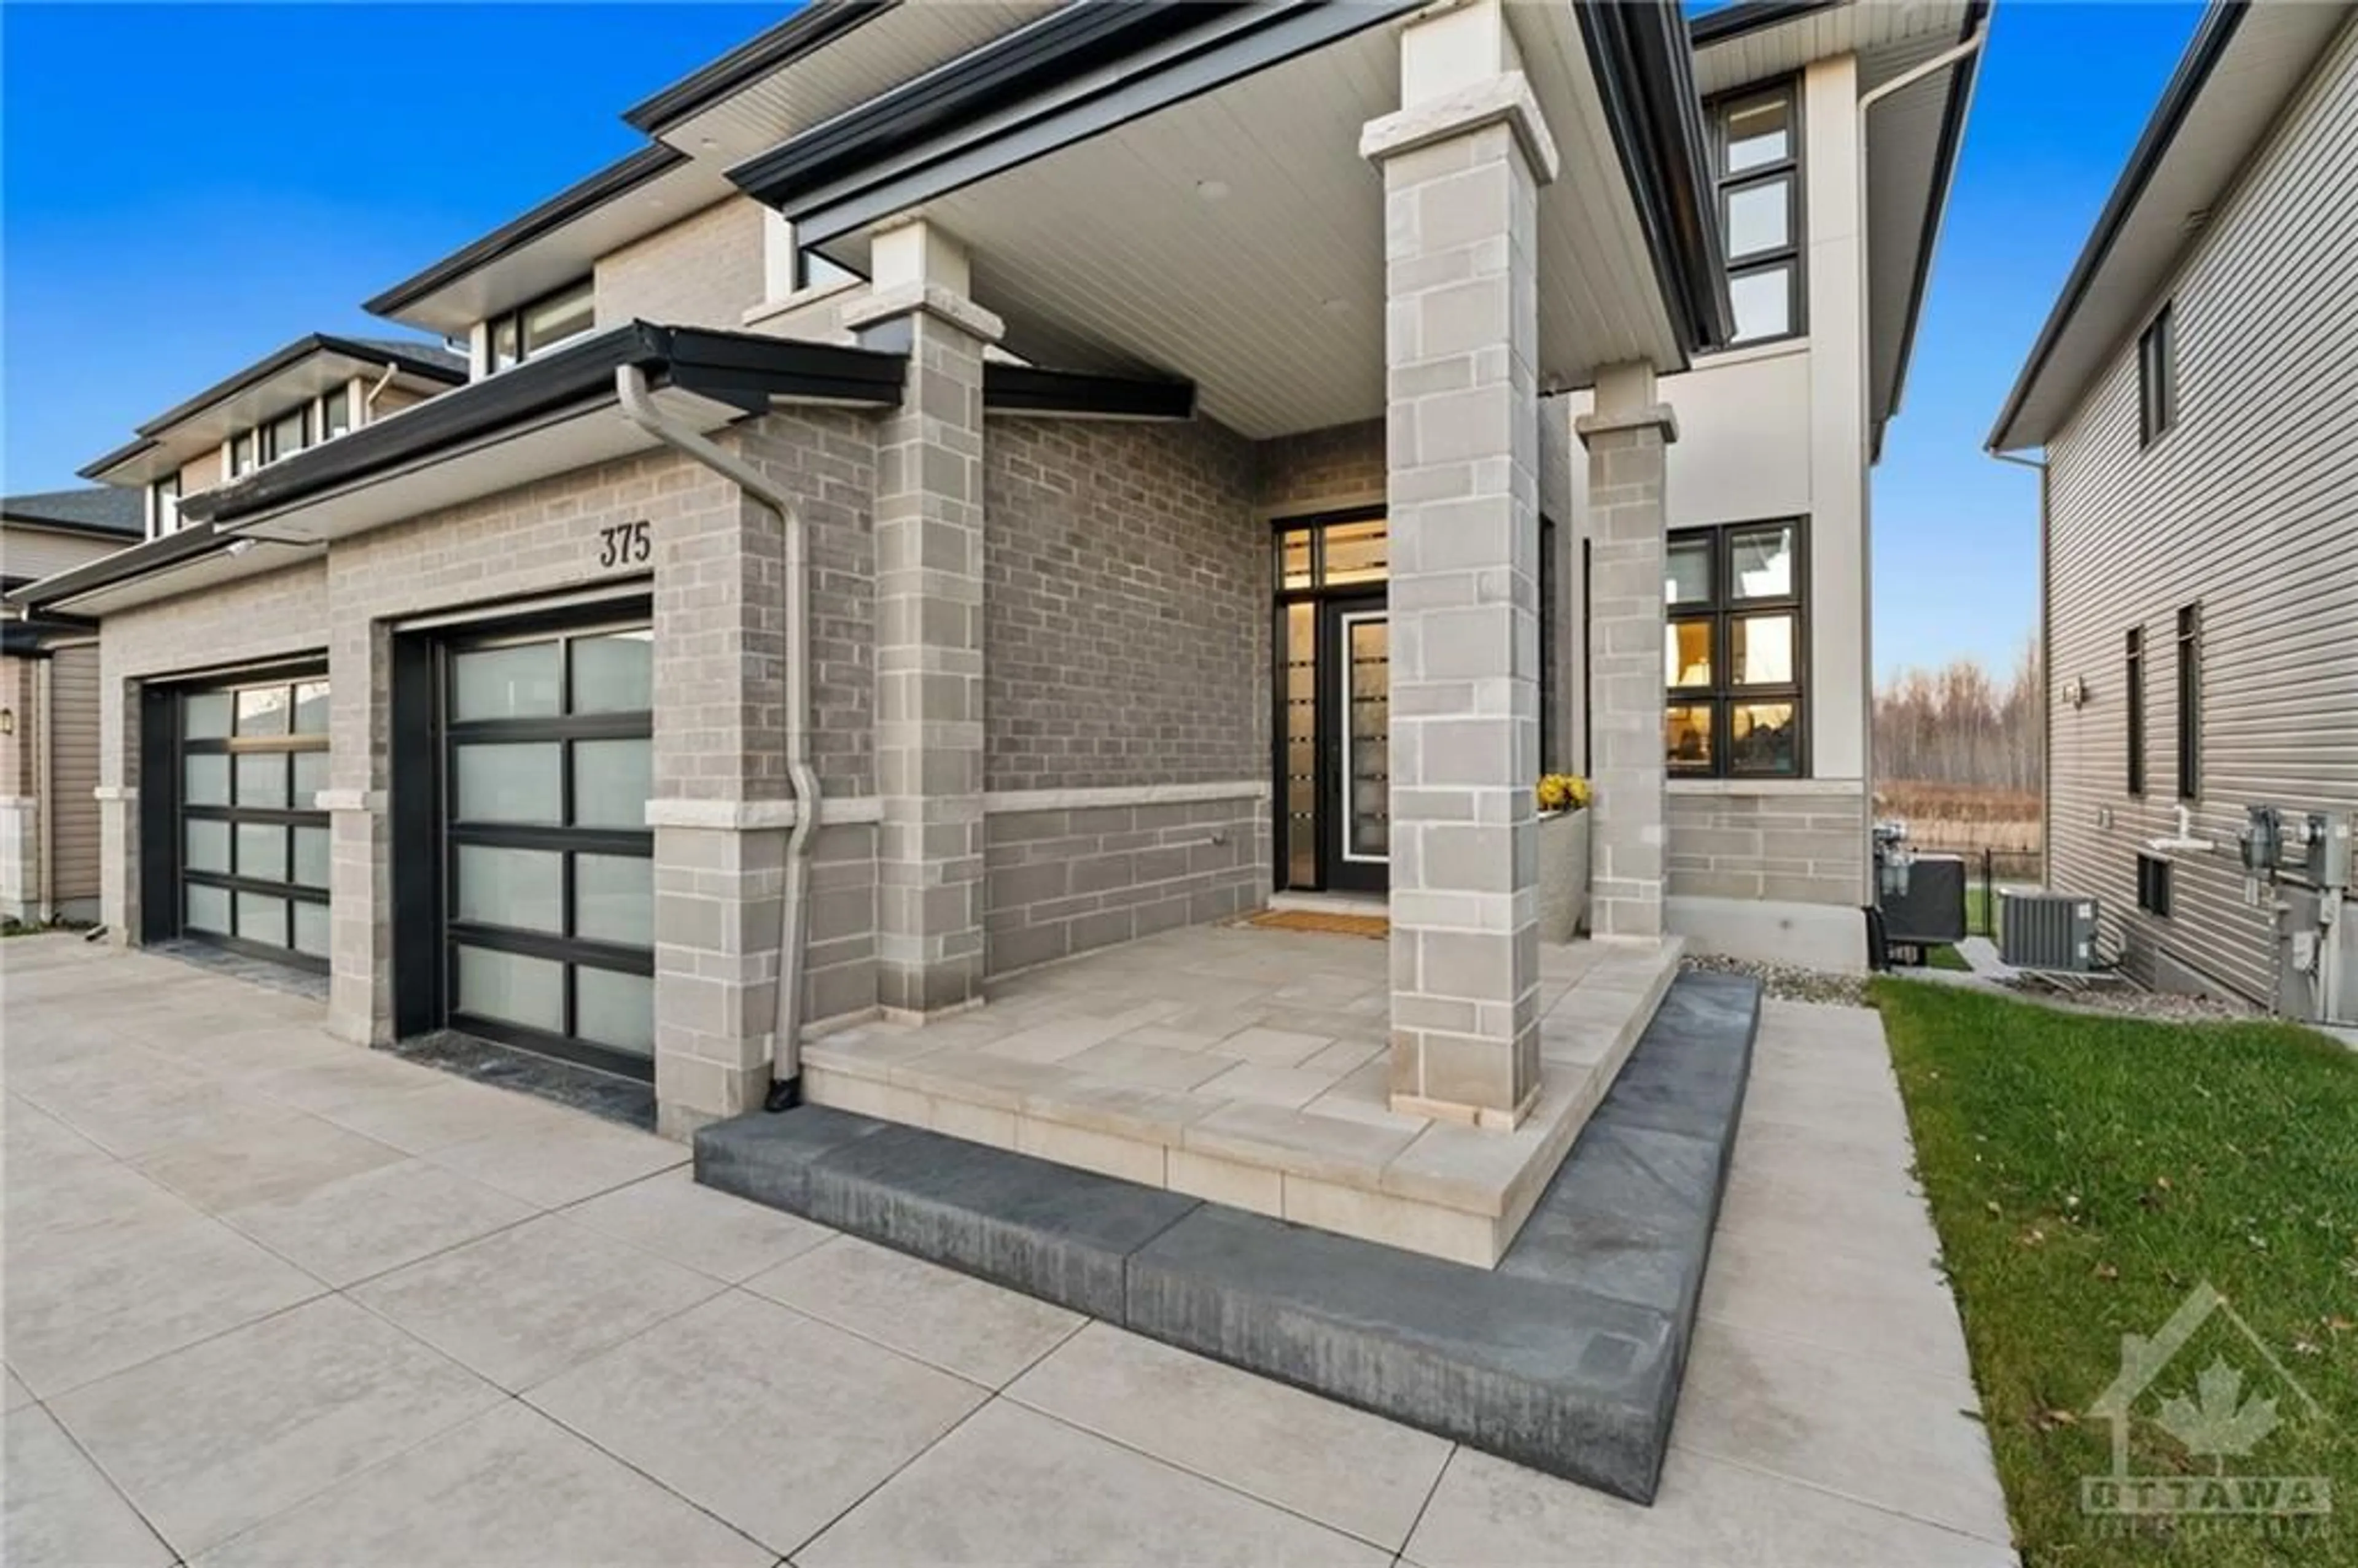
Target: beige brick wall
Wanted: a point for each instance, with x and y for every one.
(1340, 466)
(1783, 843)
(1126, 606)
(705, 270)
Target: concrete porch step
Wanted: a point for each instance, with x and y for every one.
(1101, 1078)
(1567, 1356)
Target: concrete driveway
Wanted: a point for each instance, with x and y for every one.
(273, 1298)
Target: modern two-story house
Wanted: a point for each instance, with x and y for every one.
(2194, 398)
(988, 483)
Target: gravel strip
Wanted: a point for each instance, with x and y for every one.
(1788, 982)
(2130, 1001)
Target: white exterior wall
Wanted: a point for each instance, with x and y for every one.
(1767, 868)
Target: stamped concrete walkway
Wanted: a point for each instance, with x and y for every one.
(270, 1299)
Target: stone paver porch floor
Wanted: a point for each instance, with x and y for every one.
(273, 1299)
(1250, 1066)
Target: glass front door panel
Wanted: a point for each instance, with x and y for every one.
(1367, 737)
(1301, 699)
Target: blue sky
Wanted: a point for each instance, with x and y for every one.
(185, 187)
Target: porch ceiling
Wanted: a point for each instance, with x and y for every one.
(1236, 239)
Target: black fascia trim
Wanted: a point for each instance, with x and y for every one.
(615, 180)
(29, 638)
(1750, 16)
(121, 454)
(738, 368)
(1025, 389)
(1064, 44)
(293, 353)
(1644, 67)
(2178, 100)
(1944, 176)
(816, 25)
(184, 543)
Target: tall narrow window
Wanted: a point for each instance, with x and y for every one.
(1732, 658)
(2133, 683)
(286, 435)
(2190, 702)
(1757, 137)
(167, 505)
(1550, 612)
(335, 412)
(2156, 377)
(241, 454)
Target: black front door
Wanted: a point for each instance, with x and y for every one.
(1333, 708)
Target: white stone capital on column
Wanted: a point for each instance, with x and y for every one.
(1659, 417)
(915, 267)
(1506, 99)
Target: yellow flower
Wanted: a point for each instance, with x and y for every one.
(1562, 792)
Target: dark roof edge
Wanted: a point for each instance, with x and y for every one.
(1962, 77)
(185, 543)
(1080, 395)
(293, 353)
(1750, 15)
(121, 454)
(2202, 58)
(617, 180)
(1643, 64)
(816, 25)
(742, 369)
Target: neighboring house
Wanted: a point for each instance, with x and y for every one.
(49, 706)
(313, 390)
(2195, 394)
(1226, 454)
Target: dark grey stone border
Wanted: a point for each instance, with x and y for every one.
(1567, 1357)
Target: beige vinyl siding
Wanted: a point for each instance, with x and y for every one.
(72, 805)
(2249, 506)
(43, 552)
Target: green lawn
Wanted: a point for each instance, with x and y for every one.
(1947, 958)
(2086, 1176)
(1981, 911)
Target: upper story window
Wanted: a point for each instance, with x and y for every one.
(1732, 659)
(2190, 702)
(2156, 377)
(165, 507)
(241, 454)
(542, 325)
(335, 413)
(287, 435)
(2133, 681)
(1758, 141)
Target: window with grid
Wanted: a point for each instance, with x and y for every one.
(1732, 651)
(1757, 139)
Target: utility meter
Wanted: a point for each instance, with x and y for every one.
(2263, 838)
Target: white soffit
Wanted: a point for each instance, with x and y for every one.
(205, 429)
(1111, 255)
(208, 570)
(893, 47)
(2275, 47)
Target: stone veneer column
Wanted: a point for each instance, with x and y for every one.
(1462, 161)
(1626, 436)
(360, 835)
(928, 513)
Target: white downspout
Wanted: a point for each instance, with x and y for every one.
(785, 1058)
(368, 399)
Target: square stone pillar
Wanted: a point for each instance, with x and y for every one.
(1462, 161)
(360, 835)
(1628, 525)
(928, 624)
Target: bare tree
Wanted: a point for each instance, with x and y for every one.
(1958, 725)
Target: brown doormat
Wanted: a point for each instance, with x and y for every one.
(1374, 926)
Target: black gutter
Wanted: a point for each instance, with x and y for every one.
(121, 454)
(1643, 63)
(1750, 16)
(1944, 176)
(2194, 74)
(1024, 389)
(1059, 47)
(617, 180)
(154, 554)
(816, 25)
(737, 368)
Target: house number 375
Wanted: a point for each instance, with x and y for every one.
(623, 545)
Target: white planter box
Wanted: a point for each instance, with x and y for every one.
(1563, 874)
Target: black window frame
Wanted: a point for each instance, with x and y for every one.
(511, 323)
(244, 448)
(2189, 701)
(158, 493)
(173, 806)
(342, 396)
(2153, 884)
(1792, 255)
(1721, 609)
(2133, 693)
(2157, 376)
(267, 434)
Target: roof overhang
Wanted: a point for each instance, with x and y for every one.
(191, 557)
(1072, 157)
(1913, 136)
(2243, 65)
(262, 391)
(551, 414)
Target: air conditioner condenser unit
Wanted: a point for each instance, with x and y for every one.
(2047, 931)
